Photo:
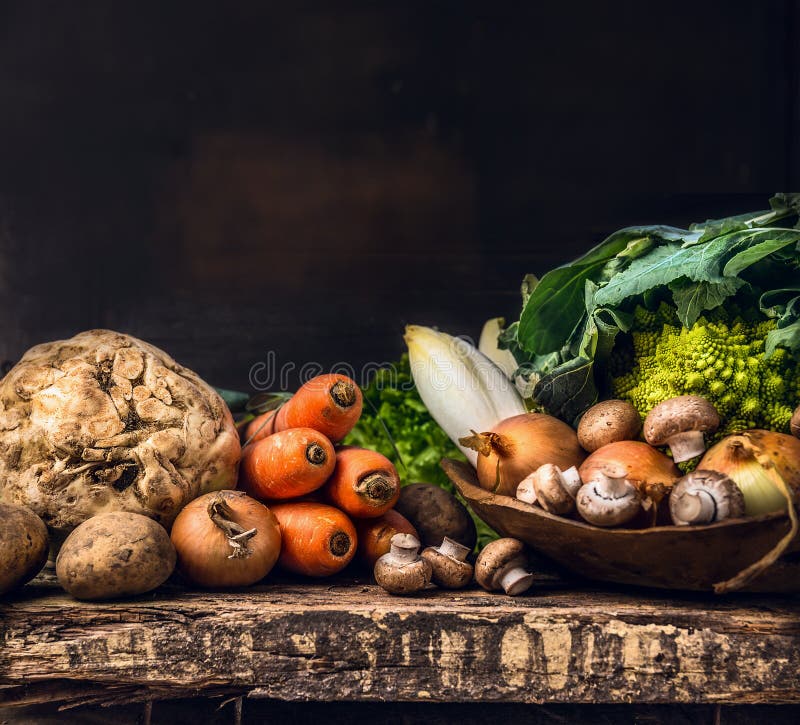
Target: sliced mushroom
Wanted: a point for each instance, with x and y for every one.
(680, 424)
(795, 422)
(502, 565)
(448, 563)
(553, 489)
(703, 497)
(608, 422)
(608, 501)
(402, 571)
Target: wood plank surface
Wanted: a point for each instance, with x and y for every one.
(348, 640)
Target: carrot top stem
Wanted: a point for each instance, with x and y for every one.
(339, 543)
(220, 513)
(315, 454)
(343, 393)
(375, 486)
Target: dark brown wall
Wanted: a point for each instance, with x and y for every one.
(224, 179)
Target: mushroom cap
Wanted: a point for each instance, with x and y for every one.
(551, 494)
(605, 501)
(795, 422)
(447, 571)
(494, 557)
(727, 496)
(608, 422)
(679, 415)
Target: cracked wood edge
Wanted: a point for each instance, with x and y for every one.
(354, 642)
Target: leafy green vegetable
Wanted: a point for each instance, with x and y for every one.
(391, 400)
(570, 321)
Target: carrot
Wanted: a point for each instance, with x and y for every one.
(318, 540)
(375, 535)
(291, 463)
(364, 483)
(330, 404)
(260, 427)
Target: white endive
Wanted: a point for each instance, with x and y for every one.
(461, 387)
(488, 346)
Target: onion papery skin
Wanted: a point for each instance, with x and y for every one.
(204, 552)
(752, 459)
(634, 460)
(520, 445)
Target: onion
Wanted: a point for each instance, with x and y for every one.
(757, 461)
(638, 462)
(517, 446)
(766, 467)
(226, 539)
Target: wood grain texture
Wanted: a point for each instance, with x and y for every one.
(348, 640)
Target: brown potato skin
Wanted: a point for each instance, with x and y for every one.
(23, 546)
(113, 555)
(436, 513)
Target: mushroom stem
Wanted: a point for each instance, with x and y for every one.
(687, 445)
(515, 579)
(453, 549)
(404, 548)
(694, 507)
(571, 481)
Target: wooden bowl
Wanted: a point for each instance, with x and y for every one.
(667, 557)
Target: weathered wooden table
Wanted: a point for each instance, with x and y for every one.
(348, 640)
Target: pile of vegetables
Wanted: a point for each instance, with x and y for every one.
(685, 337)
(655, 311)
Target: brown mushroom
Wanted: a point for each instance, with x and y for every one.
(703, 497)
(502, 565)
(608, 422)
(402, 570)
(680, 424)
(794, 425)
(608, 500)
(448, 563)
(553, 489)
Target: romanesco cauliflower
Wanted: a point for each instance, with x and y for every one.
(721, 357)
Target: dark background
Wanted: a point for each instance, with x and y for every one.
(225, 179)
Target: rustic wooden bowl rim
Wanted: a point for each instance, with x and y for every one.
(463, 475)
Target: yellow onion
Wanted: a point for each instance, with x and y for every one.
(766, 467)
(759, 462)
(226, 539)
(517, 446)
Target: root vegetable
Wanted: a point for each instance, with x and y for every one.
(364, 483)
(286, 465)
(330, 404)
(23, 546)
(436, 514)
(318, 540)
(105, 422)
(226, 539)
(262, 426)
(517, 446)
(375, 535)
(114, 555)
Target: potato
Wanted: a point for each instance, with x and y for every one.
(115, 555)
(23, 546)
(436, 513)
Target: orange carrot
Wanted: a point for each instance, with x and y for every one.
(318, 540)
(375, 535)
(364, 483)
(260, 427)
(330, 404)
(285, 465)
